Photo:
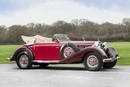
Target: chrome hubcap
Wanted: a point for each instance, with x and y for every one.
(23, 61)
(92, 61)
(68, 51)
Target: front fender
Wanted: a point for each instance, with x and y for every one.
(22, 49)
(100, 51)
(79, 56)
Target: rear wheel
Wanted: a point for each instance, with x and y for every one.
(23, 61)
(110, 65)
(93, 61)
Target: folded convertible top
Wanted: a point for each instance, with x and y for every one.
(29, 40)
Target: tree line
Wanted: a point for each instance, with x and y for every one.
(76, 29)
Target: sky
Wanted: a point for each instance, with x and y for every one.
(21, 12)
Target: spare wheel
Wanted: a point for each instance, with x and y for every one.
(68, 49)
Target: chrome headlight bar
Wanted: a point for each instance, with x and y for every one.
(96, 44)
(100, 45)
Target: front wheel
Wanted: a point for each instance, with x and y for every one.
(110, 65)
(93, 61)
(23, 61)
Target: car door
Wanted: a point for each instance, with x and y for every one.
(47, 51)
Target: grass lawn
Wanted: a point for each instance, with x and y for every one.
(124, 52)
(7, 51)
(122, 47)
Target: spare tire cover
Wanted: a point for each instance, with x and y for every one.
(68, 49)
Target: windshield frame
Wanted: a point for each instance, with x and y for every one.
(62, 37)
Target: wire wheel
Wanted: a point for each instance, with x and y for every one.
(23, 61)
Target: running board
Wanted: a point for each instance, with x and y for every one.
(41, 61)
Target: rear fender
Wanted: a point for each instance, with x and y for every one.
(24, 49)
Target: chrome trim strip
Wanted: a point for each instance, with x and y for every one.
(41, 61)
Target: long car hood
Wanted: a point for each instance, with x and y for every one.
(81, 43)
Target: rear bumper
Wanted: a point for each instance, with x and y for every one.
(111, 59)
(11, 59)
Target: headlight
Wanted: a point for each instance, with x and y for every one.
(105, 45)
(96, 44)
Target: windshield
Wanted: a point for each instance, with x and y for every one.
(62, 37)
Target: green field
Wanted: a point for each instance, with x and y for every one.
(7, 51)
(122, 47)
(124, 52)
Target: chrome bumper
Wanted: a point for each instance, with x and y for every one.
(11, 59)
(111, 59)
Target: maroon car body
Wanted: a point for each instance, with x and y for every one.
(64, 51)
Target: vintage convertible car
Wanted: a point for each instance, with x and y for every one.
(61, 50)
